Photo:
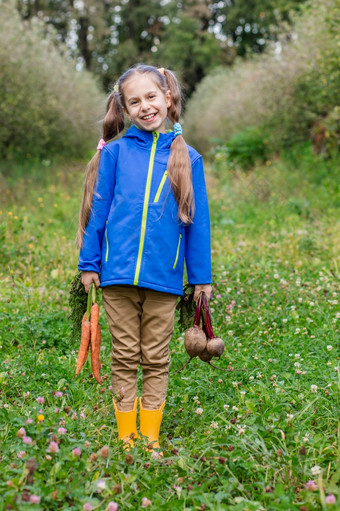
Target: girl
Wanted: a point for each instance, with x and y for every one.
(144, 211)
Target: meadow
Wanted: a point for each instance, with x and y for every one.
(263, 434)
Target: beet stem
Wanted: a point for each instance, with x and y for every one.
(183, 366)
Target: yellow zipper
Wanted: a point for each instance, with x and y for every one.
(107, 245)
(160, 188)
(177, 253)
(145, 207)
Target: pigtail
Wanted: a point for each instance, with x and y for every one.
(113, 124)
(179, 164)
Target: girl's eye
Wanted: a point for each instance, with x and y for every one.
(151, 96)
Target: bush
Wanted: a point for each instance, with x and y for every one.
(47, 107)
(283, 92)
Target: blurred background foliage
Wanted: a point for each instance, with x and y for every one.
(258, 76)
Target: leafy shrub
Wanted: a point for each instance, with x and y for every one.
(283, 92)
(47, 107)
(245, 148)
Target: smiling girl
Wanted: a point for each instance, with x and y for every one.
(144, 212)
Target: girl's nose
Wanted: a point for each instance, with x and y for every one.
(145, 105)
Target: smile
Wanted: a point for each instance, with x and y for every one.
(148, 117)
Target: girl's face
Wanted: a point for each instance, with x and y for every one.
(146, 105)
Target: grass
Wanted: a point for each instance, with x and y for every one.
(249, 438)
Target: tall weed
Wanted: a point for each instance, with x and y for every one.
(47, 107)
(284, 92)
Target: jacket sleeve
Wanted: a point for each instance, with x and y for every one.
(197, 234)
(91, 251)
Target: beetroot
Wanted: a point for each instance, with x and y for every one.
(195, 341)
(215, 347)
(205, 356)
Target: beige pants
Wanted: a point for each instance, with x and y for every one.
(141, 323)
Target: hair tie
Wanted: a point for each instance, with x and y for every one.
(101, 144)
(161, 70)
(177, 129)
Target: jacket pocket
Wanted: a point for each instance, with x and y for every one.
(161, 185)
(177, 252)
(107, 244)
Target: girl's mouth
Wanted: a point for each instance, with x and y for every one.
(148, 117)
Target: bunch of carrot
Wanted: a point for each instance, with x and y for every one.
(90, 336)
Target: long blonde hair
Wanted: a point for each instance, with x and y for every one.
(179, 164)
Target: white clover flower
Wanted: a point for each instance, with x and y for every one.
(235, 408)
(199, 411)
(214, 425)
(259, 375)
(305, 439)
(297, 355)
(329, 363)
(195, 398)
(226, 407)
(314, 388)
(101, 484)
(243, 392)
(251, 378)
(241, 430)
(329, 347)
(234, 384)
(290, 416)
(284, 320)
(316, 470)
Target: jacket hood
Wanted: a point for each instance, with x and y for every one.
(145, 138)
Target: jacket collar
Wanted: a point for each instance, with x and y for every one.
(145, 138)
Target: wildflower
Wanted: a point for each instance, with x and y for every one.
(104, 452)
(82, 415)
(29, 420)
(234, 384)
(53, 447)
(26, 394)
(35, 499)
(178, 489)
(297, 355)
(196, 398)
(112, 506)
(330, 499)
(76, 451)
(243, 393)
(155, 455)
(214, 425)
(241, 430)
(316, 470)
(62, 431)
(289, 416)
(40, 418)
(146, 502)
(56, 410)
(74, 416)
(199, 411)
(313, 388)
(305, 438)
(27, 440)
(21, 454)
(329, 347)
(226, 407)
(87, 506)
(40, 400)
(21, 433)
(101, 484)
(235, 408)
(58, 394)
(87, 444)
(311, 485)
(259, 375)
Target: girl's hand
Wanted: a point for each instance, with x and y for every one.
(202, 287)
(87, 277)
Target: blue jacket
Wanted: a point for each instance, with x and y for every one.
(133, 235)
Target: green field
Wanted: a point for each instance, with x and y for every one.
(247, 438)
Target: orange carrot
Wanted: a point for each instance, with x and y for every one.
(84, 343)
(95, 355)
(94, 319)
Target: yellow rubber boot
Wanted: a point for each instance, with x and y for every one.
(150, 423)
(127, 425)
